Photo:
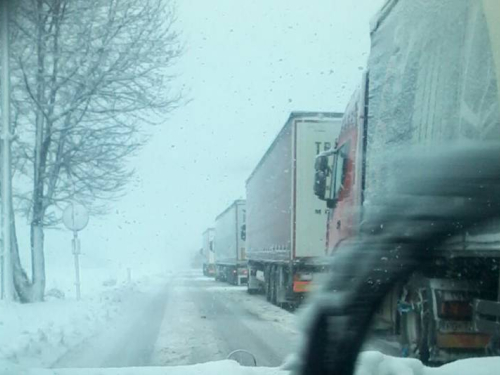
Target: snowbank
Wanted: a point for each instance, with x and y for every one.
(38, 334)
(370, 363)
(376, 363)
(211, 368)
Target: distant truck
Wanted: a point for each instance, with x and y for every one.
(285, 221)
(421, 93)
(230, 234)
(208, 252)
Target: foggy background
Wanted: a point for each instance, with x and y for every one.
(246, 66)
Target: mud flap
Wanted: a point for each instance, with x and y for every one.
(253, 284)
(281, 295)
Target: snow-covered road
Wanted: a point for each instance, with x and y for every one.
(192, 319)
(180, 319)
(206, 320)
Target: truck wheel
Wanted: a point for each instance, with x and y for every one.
(251, 281)
(280, 283)
(267, 285)
(274, 287)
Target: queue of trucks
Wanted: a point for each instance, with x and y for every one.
(274, 240)
(345, 160)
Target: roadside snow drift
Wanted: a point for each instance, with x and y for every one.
(38, 334)
(376, 363)
(370, 363)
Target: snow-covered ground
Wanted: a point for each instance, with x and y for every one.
(226, 367)
(206, 320)
(370, 363)
(199, 321)
(258, 305)
(38, 334)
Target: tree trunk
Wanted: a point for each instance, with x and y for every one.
(37, 261)
(22, 283)
(26, 290)
(37, 256)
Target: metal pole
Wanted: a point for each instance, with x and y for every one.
(6, 137)
(76, 253)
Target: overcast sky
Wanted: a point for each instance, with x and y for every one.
(247, 65)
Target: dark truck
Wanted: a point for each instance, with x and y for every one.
(431, 84)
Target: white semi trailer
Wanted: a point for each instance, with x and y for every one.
(208, 252)
(285, 222)
(230, 254)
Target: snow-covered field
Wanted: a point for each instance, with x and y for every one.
(38, 334)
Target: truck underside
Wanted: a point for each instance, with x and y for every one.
(434, 314)
(285, 283)
(209, 269)
(235, 274)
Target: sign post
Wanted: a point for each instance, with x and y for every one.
(76, 218)
(76, 253)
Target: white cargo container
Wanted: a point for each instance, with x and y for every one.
(208, 252)
(230, 234)
(285, 222)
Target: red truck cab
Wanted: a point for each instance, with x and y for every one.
(340, 180)
(339, 177)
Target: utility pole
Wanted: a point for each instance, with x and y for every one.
(6, 138)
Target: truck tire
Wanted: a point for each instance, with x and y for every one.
(251, 291)
(274, 287)
(267, 284)
(252, 281)
(281, 281)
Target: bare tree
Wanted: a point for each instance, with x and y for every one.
(90, 75)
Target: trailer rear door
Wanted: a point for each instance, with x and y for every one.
(310, 137)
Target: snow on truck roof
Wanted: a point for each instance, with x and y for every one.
(379, 17)
(294, 116)
(235, 203)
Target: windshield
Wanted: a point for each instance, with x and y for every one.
(157, 172)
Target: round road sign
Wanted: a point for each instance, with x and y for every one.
(75, 217)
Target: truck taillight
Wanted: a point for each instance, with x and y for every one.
(244, 271)
(457, 310)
